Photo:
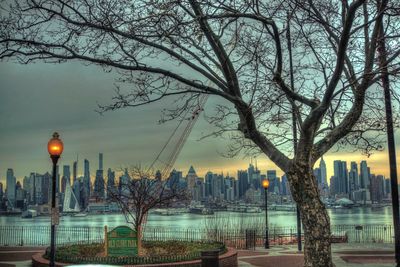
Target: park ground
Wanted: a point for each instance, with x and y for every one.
(346, 255)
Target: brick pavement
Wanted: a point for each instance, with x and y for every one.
(344, 255)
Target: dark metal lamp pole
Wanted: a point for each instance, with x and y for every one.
(55, 148)
(391, 140)
(265, 184)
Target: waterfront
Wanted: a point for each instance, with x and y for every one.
(354, 216)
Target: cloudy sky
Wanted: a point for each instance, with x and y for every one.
(38, 99)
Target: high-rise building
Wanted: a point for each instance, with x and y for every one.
(353, 179)
(98, 190)
(66, 178)
(364, 175)
(111, 187)
(100, 162)
(32, 188)
(74, 171)
(191, 177)
(11, 183)
(322, 169)
(1, 193)
(243, 183)
(208, 184)
(85, 191)
(124, 183)
(273, 182)
(377, 188)
(99, 184)
(175, 179)
(341, 176)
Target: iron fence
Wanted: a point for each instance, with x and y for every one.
(40, 235)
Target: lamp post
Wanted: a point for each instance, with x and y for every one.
(265, 184)
(55, 147)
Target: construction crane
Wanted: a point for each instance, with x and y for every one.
(181, 134)
(190, 120)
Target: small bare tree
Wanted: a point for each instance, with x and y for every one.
(140, 191)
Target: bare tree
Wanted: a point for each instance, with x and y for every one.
(233, 50)
(140, 191)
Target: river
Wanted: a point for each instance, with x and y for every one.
(354, 216)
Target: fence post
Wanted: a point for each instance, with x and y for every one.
(105, 240)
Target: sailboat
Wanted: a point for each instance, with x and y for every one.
(71, 204)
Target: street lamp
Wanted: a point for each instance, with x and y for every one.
(55, 147)
(265, 184)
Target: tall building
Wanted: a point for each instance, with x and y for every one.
(66, 178)
(11, 183)
(124, 182)
(364, 175)
(99, 184)
(322, 169)
(208, 184)
(85, 190)
(175, 179)
(341, 177)
(274, 183)
(243, 183)
(353, 179)
(111, 187)
(377, 188)
(98, 190)
(191, 178)
(100, 161)
(74, 171)
(1, 193)
(32, 188)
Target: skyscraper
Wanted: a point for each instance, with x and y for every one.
(99, 184)
(353, 179)
(66, 178)
(101, 161)
(364, 175)
(111, 188)
(322, 169)
(191, 178)
(273, 182)
(11, 182)
(74, 171)
(86, 184)
(243, 183)
(208, 184)
(341, 176)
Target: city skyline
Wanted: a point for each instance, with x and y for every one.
(38, 99)
(93, 166)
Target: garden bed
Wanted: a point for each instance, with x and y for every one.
(152, 252)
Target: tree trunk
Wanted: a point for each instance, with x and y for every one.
(315, 219)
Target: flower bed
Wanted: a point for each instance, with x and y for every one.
(152, 252)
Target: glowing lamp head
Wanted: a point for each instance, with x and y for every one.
(55, 146)
(265, 184)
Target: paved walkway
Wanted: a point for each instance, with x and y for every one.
(17, 256)
(344, 255)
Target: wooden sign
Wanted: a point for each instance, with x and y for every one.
(121, 241)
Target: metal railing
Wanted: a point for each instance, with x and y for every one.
(40, 235)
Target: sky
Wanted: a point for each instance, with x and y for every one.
(38, 99)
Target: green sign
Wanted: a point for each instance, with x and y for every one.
(122, 241)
